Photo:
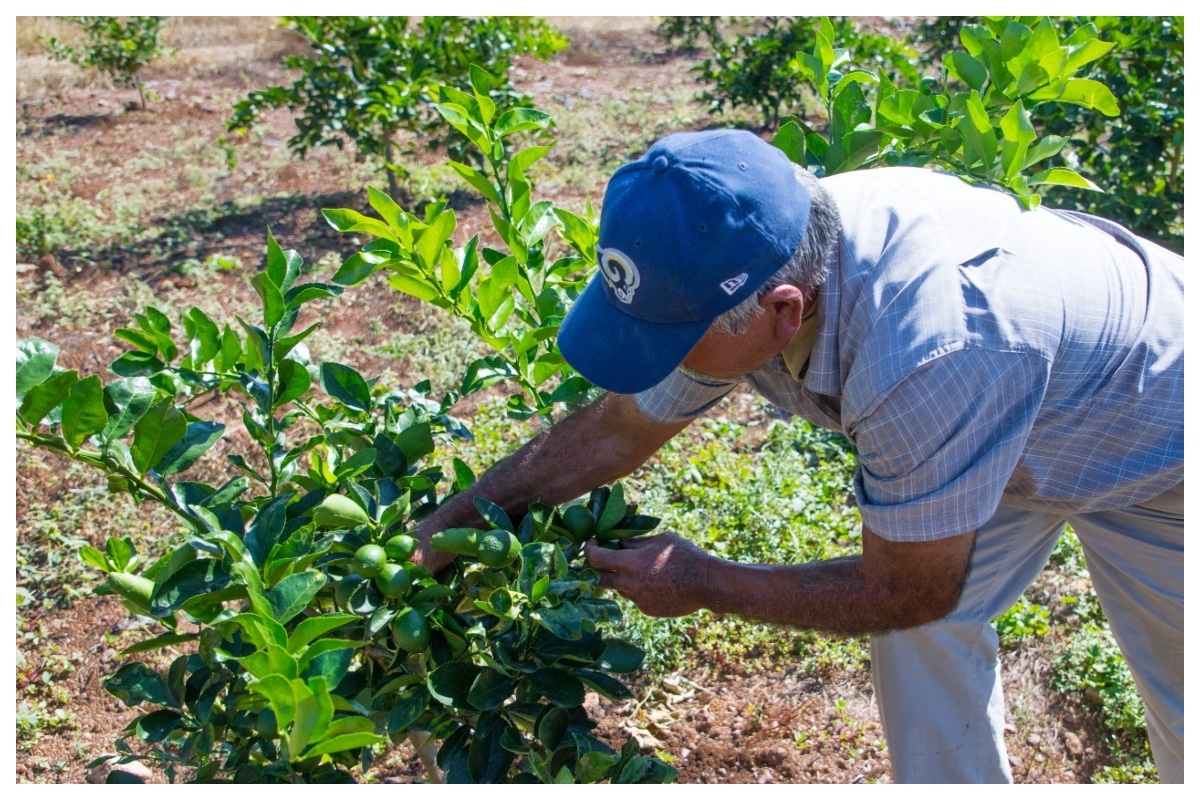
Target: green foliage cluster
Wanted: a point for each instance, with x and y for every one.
(310, 640)
(752, 63)
(370, 78)
(513, 300)
(977, 122)
(116, 46)
(1091, 673)
(1136, 157)
(965, 95)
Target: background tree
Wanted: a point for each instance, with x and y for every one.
(119, 47)
(369, 78)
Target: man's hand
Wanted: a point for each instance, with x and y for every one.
(665, 575)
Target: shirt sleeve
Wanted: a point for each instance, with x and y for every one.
(936, 452)
(682, 395)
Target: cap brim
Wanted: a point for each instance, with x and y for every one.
(618, 352)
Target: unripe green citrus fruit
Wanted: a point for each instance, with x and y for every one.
(410, 631)
(579, 522)
(369, 560)
(400, 547)
(461, 541)
(497, 548)
(394, 581)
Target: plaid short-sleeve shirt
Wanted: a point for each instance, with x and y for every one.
(977, 353)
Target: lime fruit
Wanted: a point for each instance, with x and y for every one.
(400, 547)
(394, 581)
(497, 548)
(579, 522)
(461, 541)
(410, 631)
(369, 560)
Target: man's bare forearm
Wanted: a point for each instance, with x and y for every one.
(598, 444)
(891, 585)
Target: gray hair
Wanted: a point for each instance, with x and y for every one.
(808, 266)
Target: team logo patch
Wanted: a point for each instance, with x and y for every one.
(733, 284)
(620, 273)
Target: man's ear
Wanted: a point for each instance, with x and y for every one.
(785, 305)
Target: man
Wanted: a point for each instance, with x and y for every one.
(1001, 373)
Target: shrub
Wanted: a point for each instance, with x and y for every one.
(119, 47)
(369, 78)
(298, 659)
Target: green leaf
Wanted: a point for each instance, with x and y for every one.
(614, 508)
(282, 267)
(35, 363)
(434, 237)
(490, 689)
(272, 299)
(197, 439)
(299, 295)
(408, 708)
(605, 685)
(1089, 94)
(314, 627)
(348, 741)
(46, 396)
(196, 578)
(559, 687)
(521, 119)
(416, 441)
(345, 385)
(494, 515)
(271, 660)
(451, 683)
(136, 683)
(83, 411)
(294, 382)
(387, 209)
(156, 433)
(477, 180)
(356, 464)
(292, 594)
(968, 68)
(563, 620)
(621, 657)
(790, 139)
(127, 401)
(205, 337)
(354, 270)
(159, 642)
(1060, 176)
(345, 220)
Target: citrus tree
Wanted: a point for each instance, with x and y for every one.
(297, 636)
(119, 47)
(370, 78)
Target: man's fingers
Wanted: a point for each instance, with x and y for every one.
(601, 558)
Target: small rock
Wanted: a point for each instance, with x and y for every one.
(134, 769)
(1010, 728)
(1038, 757)
(770, 756)
(766, 777)
(1073, 744)
(684, 753)
(1015, 761)
(208, 108)
(1034, 740)
(721, 771)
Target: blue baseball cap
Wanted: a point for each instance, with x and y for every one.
(687, 231)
